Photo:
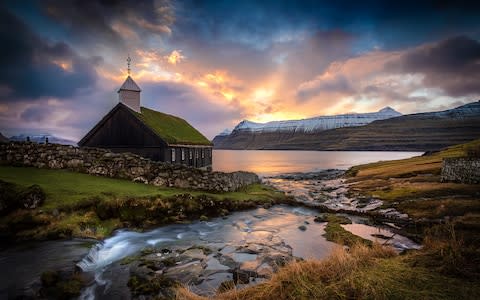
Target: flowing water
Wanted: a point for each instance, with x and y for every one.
(240, 240)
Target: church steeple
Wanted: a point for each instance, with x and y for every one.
(129, 92)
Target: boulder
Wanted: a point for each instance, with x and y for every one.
(32, 197)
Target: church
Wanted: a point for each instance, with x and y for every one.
(129, 127)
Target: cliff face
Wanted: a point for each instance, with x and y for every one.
(416, 132)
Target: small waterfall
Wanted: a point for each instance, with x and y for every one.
(88, 263)
(121, 245)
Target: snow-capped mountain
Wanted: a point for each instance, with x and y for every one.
(226, 131)
(40, 138)
(385, 130)
(317, 123)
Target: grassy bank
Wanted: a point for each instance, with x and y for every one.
(413, 186)
(83, 205)
(447, 266)
(361, 273)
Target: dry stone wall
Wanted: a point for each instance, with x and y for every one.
(463, 170)
(102, 162)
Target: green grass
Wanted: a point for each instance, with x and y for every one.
(411, 167)
(68, 188)
(413, 185)
(334, 232)
(83, 205)
(172, 129)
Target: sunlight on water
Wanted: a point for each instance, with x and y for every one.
(274, 162)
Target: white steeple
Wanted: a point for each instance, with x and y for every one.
(129, 92)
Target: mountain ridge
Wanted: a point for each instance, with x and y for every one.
(414, 132)
(319, 122)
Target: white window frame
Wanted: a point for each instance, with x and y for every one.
(190, 155)
(196, 153)
(203, 153)
(183, 154)
(173, 154)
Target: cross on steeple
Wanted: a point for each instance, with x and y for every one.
(128, 64)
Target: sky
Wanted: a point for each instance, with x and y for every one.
(216, 63)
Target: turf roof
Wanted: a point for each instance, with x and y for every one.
(173, 130)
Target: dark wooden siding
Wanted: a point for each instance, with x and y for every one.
(120, 131)
(197, 160)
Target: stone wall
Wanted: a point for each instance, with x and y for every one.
(102, 162)
(464, 170)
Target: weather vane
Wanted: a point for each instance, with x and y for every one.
(128, 64)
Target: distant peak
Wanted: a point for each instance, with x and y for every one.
(226, 131)
(389, 110)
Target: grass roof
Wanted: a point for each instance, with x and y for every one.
(173, 130)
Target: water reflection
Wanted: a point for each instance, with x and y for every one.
(274, 162)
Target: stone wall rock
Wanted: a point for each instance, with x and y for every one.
(461, 169)
(102, 162)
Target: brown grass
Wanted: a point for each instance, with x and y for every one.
(313, 279)
(365, 273)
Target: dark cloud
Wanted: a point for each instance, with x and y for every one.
(338, 84)
(388, 24)
(31, 66)
(36, 114)
(451, 65)
(95, 20)
(390, 94)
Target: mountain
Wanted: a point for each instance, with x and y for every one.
(317, 123)
(258, 135)
(415, 132)
(40, 138)
(222, 135)
(3, 139)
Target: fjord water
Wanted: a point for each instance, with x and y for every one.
(275, 162)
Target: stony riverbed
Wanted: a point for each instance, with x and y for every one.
(240, 249)
(328, 189)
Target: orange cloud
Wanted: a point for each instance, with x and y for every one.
(175, 57)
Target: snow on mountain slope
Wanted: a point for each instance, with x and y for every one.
(226, 131)
(317, 123)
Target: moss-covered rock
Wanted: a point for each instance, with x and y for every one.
(159, 286)
(56, 285)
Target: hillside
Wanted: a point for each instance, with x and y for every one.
(415, 132)
(3, 139)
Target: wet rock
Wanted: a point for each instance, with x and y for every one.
(240, 276)
(165, 251)
(60, 285)
(32, 197)
(250, 267)
(159, 286)
(264, 270)
(320, 219)
(194, 254)
(213, 264)
(227, 261)
(186, 273)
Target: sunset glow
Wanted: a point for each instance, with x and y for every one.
(204, 57)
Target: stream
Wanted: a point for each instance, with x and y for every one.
(253, 243)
